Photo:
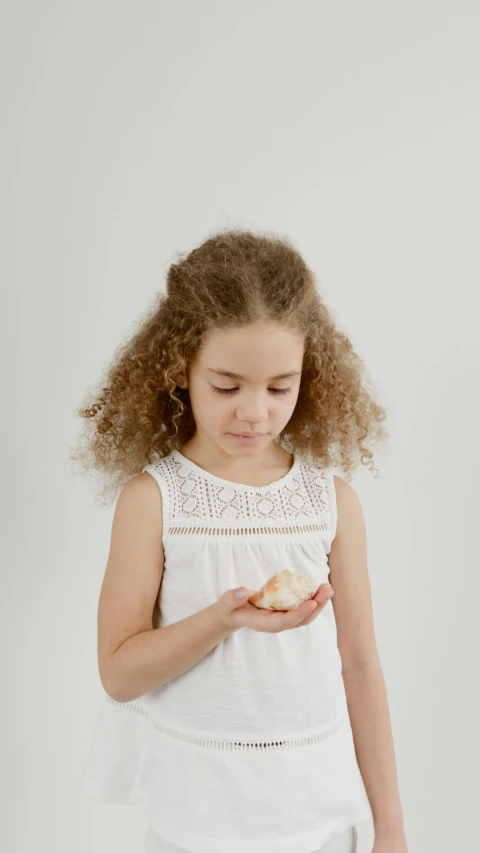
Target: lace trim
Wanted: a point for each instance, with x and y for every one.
(230, 745)
(188, 498)
(243, 531)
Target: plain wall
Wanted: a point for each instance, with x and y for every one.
(130, 131)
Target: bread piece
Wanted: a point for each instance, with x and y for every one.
(285, 591)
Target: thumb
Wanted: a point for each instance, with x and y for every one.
(239, 597)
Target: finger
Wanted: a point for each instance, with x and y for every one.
(304, 612)
(324, 595)
(324, 589)
(321, 602)
(311, 617)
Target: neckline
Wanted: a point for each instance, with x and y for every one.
(276, 484)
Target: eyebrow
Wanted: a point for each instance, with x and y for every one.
(237, 375)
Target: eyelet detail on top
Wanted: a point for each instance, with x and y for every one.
(222, 744)
(222, 482)
(197, 502)
(250, 531)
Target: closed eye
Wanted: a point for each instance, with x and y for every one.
(232, 390)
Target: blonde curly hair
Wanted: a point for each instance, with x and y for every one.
(138, 414)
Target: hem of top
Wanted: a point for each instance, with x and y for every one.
(136, 797)
(301, 844)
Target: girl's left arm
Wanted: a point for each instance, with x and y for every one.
(362, 671)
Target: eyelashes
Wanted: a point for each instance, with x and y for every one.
(232, 390)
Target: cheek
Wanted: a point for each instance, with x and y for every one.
(285, 411)
(214, 405)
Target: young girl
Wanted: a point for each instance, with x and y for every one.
(239, 729)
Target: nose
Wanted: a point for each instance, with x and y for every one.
(253, 412)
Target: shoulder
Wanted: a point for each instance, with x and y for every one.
(138, 516)
(341, 485)
(343, 488)
(141, 484)
(140, 494)
(349, 509)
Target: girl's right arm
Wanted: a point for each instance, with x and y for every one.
(134, 657)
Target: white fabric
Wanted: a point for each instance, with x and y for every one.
(251, 749)
(344, 842)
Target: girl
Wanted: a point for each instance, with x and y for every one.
(239, 729)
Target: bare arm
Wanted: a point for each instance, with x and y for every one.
(133, 656)
(155, 657)
(361, 668)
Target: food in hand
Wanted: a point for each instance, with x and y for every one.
(285, 591)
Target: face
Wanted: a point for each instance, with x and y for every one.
(260, 401)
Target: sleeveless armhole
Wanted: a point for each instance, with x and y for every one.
(154, 470)
(332, 503)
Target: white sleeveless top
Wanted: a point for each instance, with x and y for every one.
(251, 750)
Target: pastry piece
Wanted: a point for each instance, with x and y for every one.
(285, 591)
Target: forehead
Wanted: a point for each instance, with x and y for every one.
(258, 352)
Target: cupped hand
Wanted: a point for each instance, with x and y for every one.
(234, 613)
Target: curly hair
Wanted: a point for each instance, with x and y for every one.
(138, 414)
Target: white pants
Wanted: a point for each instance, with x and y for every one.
(344, 842)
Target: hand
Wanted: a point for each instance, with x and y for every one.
(233, 613)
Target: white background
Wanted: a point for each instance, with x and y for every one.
(130, 131)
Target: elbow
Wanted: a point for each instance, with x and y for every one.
(117, 694)
(111, 687)
(114, 694)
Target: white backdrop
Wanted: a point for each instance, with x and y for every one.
(130, 131)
